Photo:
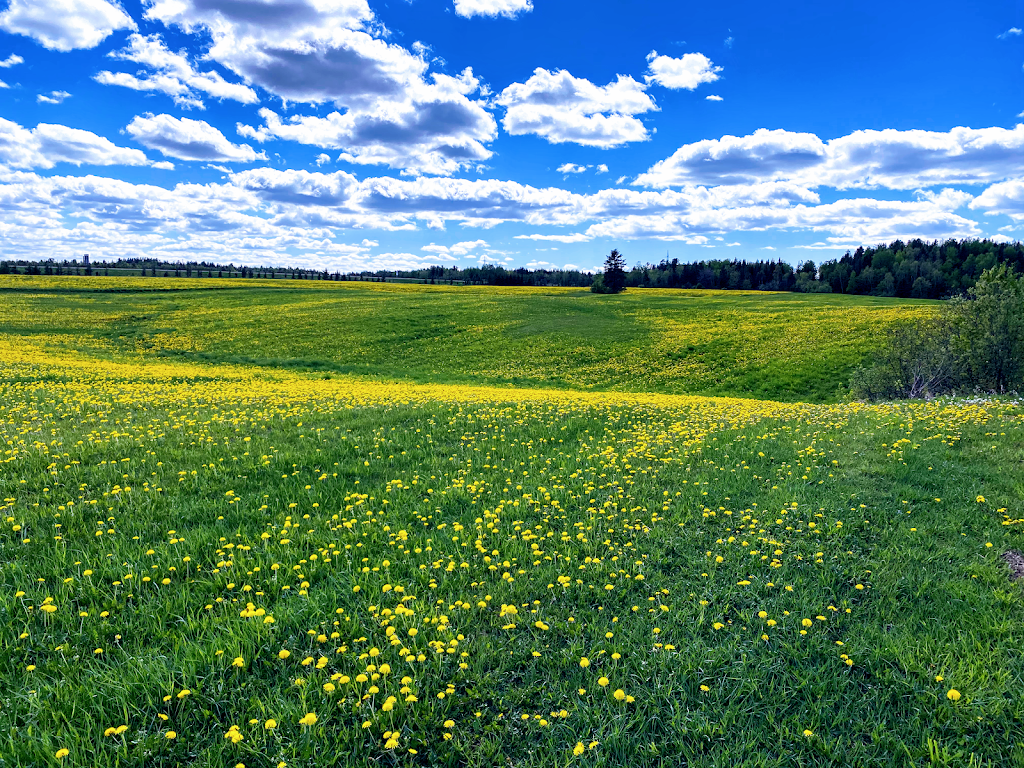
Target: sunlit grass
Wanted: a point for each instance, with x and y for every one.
(781, 346)
(277, 568)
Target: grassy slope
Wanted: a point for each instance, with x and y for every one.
(218, 456)
(216, 464)
(779, 346)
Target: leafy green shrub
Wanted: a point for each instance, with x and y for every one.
(976, 343)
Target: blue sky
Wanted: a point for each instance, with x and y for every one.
(346, 134)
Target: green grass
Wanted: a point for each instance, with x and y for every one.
(657, 528)
(779, 346)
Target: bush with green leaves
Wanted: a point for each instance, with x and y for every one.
(975, 344)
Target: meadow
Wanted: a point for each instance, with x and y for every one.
(246, 563)
(780, 346)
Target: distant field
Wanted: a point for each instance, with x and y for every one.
(780, 346)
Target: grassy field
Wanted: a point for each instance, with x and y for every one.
(215, 564)
(781, 346)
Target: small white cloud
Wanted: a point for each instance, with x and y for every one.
(456, 251)
(322, 158)
(64, 25)
(728, 41)
(12, 60)
(561, 108)
(55, 97)
(713, 97)
(164, 165)
(507, 8)
(602, 168)
(622, 179)
(575, 238)
(768, 248)
(687, 72)
(572, 168)
(186, 139)
(3, 84)
(1011, 32)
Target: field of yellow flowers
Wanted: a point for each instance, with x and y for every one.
(780, 346)
(240, 565)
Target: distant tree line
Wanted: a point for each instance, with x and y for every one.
(912, 269)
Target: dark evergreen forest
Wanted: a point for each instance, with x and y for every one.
(912, 269)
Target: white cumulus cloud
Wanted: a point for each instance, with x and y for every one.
(172, 74)
(269, 214)
(46, 145)
(433, 128)
(11, 61)
(864, 159)
(330, 51)
(508, 8)
(687, 72)
(64, 25)
(1006, 197)
(561, 108)
(456, 251)
(765, 155)
(187, 139)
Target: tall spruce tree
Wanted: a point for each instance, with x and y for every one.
(615, 272)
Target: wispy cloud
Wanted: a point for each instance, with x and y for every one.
(55, 97)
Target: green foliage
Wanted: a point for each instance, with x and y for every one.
(977, 343)
(916, 360)
(989, 327)
(614, 278)
(914, 269)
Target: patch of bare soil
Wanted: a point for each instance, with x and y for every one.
(1015, 560)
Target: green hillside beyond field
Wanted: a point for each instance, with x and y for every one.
(781, 346)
